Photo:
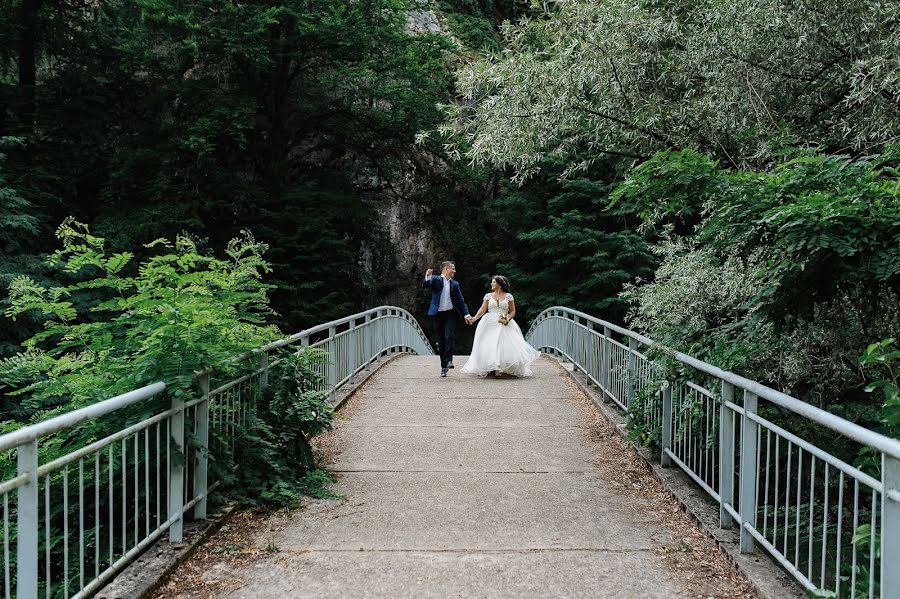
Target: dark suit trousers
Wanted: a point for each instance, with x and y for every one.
(445, 328)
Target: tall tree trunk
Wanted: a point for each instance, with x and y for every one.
(279, 135)
(28, 35)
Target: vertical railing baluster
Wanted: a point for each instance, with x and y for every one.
(7, 588)
(825, 519)
(766, 488)
(27, 522)
(111, 510)
(777, 481)
(81, 524)
(65, 487)
(787, 497)
(839, 532)
(812, 501)
(147, 481)
(706, 442)
(853, 532)
(158, 488)
(890, 527)
(48, 586)
(96, 514)
(124, 497)
(872, 550)
(137, 494)
(748, 474)
(797, 508)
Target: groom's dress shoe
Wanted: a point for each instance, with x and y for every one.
(443, 372)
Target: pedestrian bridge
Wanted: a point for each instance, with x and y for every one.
(466, 486)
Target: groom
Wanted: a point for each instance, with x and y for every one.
(447, 304)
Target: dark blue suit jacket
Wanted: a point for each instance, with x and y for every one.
(436, 284)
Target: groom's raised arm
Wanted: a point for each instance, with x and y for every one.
(429, 279)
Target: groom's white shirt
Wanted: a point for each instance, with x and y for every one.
(445, 303)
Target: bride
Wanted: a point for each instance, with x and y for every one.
(499, 345)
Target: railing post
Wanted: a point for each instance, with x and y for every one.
(890, 527)
(570, 338)
(367, 350)
(573, 343)
(589, 353)
(263, 376)
(748, 471)
(201, 464)
(354, 347)
(726, 455)
(606, 361)
(576, 346)
(332, 362)
(631, 386)
(665, 459)
(27, 523)
(176, 471)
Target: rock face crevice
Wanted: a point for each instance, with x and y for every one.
(403, 240)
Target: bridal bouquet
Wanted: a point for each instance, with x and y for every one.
(504, 319)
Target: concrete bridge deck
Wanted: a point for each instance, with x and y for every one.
(469, 487)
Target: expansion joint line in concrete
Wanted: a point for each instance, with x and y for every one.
(385, 471)
(475, 550)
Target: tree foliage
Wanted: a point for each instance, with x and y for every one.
(732, 79)
(117, 326)
(283, 117)
(784, 275)
(20, 225)
(565, 247)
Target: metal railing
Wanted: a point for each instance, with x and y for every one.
(833, 526)
(72, 523)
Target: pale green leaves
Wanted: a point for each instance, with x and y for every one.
(734, 79)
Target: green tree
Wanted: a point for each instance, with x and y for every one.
(119, 326)
(151, 117)
(178, 313)
(20, 227)
(733, 79)
(567, 248)
(784, 275)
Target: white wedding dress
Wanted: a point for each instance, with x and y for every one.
(498, 347)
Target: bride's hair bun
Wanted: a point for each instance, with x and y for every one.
(503, 282)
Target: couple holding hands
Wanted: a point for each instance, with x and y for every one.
(499, 345)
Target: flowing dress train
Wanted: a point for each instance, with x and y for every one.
(498, 347)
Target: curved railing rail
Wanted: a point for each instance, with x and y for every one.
(834, 527)
(70, 524)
